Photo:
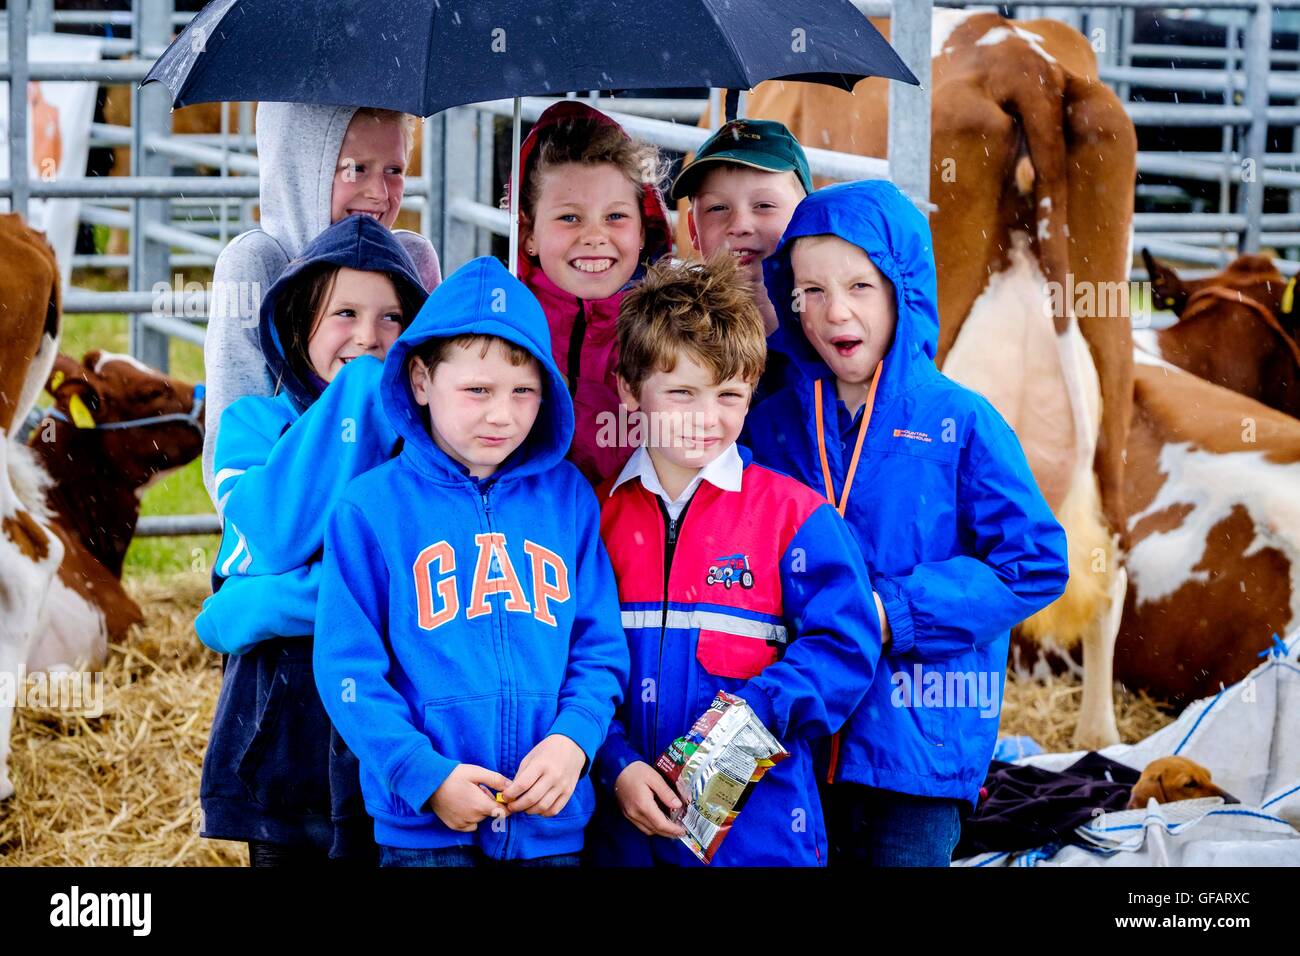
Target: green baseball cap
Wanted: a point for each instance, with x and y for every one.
(759, 144)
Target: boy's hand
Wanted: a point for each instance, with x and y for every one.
(461, 802)
(637, 788)
(547, 777)
(885, 633)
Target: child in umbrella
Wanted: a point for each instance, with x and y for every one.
(318, 165)
(591, 218)
(934, 484)
(468, 642)
(275, 775)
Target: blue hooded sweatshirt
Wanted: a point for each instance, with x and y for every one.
(306, 441)
(960, 544)
(274, 770)
(465, 620)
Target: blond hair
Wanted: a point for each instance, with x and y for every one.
(704, 308)
(406, 122)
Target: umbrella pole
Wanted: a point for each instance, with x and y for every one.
(514, 189)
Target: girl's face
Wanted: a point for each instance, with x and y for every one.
(370, 177)
(587, 230)
(362, 315)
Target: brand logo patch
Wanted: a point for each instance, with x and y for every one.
(733, 569)
(914, 436)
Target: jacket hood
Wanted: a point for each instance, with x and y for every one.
(878, 218)
(298, 151)
(654, 213)
(481, 298)
(357, 242)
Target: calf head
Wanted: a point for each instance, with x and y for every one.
(1235, 328)
(1254, 276)
(145, 422)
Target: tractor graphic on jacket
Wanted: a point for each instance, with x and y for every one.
(731, 570)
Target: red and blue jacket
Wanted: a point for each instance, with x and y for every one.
(759, 592)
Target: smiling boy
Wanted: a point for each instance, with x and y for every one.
(790, 629)
(743, 186)
(467, 636)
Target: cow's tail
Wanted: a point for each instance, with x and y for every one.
(1036, 93)
(1033, 93)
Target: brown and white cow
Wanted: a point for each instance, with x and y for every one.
(69, 500)
(30, 555)
(115, 426)
(1033, 164)
(1236, 328)
(1214, 538)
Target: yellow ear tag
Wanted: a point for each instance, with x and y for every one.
(81, 416)
(55, 381)
(1288, 297)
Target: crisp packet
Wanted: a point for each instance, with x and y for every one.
(715, 767)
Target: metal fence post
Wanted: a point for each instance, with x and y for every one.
(151, 115)
(459, 181)
(42, 16)
(431, 172)
(909, 106)
(1250, 198)
(486, 142)
(18, 107)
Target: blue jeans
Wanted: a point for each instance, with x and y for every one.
(872, 827)
(462, 856)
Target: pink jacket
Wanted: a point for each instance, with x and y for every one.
(594, 391)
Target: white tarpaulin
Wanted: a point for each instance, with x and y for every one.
(58, 138)
(1248, 736)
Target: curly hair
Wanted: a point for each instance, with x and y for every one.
(703, 308)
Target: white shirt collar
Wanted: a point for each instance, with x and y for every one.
(724, 473)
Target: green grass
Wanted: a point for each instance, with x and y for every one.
(182, 491)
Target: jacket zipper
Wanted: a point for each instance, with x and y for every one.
(508, 721)
(577, 337)
(671, 528)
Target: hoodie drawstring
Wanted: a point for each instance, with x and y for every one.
(843, 504)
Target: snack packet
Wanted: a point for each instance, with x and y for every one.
(714, 768)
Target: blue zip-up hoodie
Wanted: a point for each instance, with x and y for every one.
(960, 543)
(274, 770)
(304, 442)
(477, 617)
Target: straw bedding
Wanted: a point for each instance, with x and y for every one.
(122, 788)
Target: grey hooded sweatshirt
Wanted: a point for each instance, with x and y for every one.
(298, 150)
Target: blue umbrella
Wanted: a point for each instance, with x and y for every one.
(425, 56)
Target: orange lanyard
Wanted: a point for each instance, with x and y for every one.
(857, 447)
(844, 498)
